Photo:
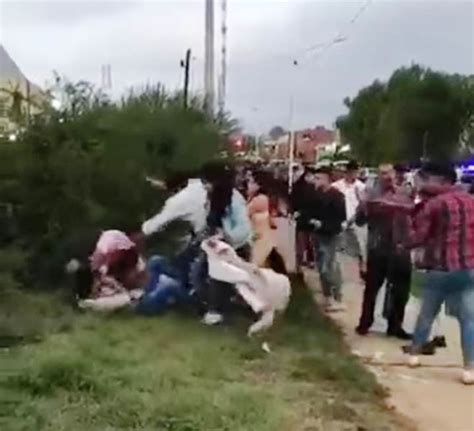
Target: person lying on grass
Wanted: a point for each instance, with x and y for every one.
(117, 276)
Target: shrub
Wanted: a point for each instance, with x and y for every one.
(81, 170)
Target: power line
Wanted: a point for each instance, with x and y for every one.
(340, 37)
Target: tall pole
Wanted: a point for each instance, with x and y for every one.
(291, 146)
(186, 78)
(209, 58)
(223, 76)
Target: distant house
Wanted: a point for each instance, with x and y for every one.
(308, 144)
(19, 98)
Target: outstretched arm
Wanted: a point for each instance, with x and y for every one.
(176, 207)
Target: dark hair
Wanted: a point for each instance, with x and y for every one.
(221, 176)
(324, 170)
(401, 168)
(177, 180)
(352, 166)
(264, 180)
(276, 262)
(442, 170)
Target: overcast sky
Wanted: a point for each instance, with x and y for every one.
(145, 40)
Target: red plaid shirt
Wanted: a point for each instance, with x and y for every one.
(444, 228)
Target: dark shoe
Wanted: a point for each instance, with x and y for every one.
(440, 341)
(401, 334)
(362, 330)
(428, 349)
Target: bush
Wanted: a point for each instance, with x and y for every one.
(79, 171)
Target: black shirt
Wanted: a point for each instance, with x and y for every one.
(330, 209)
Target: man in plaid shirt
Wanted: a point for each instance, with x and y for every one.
(444, 228)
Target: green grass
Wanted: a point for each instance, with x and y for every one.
(123, 372)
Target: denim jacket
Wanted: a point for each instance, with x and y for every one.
(236, 223)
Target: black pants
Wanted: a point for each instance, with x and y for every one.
(217, 294)
(396, 270)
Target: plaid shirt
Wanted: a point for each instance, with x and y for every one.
(444, 228)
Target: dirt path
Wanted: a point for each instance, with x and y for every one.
(431, 397)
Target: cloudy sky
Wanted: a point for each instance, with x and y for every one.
(145, 40)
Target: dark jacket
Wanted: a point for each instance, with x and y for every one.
(386, 228)
(303, 200)
(330, 210)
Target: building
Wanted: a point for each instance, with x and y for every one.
(308, 144)
(19, 98)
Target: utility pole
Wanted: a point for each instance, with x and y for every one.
(223, 76)
(209, 58)
(186, 65)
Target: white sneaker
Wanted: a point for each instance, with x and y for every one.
(328, 304)
(339, 306)
(211, 318)
(332, 306)
(468, 377)
(413, 361)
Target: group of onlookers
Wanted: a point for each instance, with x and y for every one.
(393, 228)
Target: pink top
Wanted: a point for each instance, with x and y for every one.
(110, 242)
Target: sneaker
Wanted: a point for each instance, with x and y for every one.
(327, 303)
(468, 377)
(340, 306)
(331, 305)
(413, 361)
(427, 349)
(211, 318)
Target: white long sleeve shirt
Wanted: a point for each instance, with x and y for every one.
(189, 204)
(352, 193)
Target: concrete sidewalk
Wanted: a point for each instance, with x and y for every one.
(432, 397)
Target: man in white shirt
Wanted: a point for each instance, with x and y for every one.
(353, 238)
(352, 189)
(189, 204)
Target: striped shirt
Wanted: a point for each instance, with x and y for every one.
(444, 228)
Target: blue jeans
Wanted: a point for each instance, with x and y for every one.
(457, 289)
(328, 266)
(162, 290)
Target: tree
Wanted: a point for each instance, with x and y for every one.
(82, 168)
(276, 132)
(417, 113)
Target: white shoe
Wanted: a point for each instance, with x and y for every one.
(339, 306)
(332, 306)
(328, 304)
(211, 318)
(468, 377)
(413, 361)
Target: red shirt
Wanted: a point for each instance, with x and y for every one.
(444, 228)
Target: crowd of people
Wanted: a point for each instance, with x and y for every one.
(233, 257)
(394, 228)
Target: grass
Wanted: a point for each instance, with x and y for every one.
(123, 372)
